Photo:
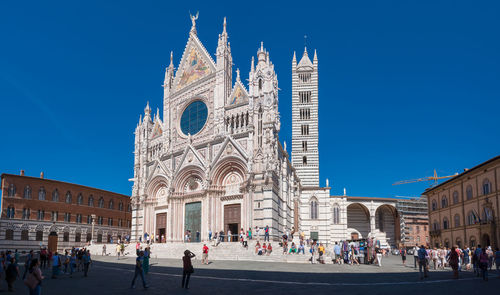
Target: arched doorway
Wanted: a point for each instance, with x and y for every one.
(358, 219)
(385, 222)
(485, 240)
(52, 242)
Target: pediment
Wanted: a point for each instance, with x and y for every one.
(195, 64)
(190, 157)
(230, 148)
(158, 168)
(239, 95)
(157, 130)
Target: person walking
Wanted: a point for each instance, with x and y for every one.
(56, 264)
(11, 273)
(403, 255)
(266, 233)
(187, 268)
(145, 263)
(204, 257)
(313, 253)
(453, 261)
(34, 278)
(118, 250)
(483, 263)
(103, 250)
(415, 255)
(72, 264)
(210, 234)
(139, 270)
(27, 263)
(475, 260)
(497, 260)
(229, 235)
(86, 262)
(378, 253)
(422, 262)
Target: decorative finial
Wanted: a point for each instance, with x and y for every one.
(224, 29)
(238, 74)
(327, 183)
(193, 21)
(261, 45)
(171, 58)
(345, 193)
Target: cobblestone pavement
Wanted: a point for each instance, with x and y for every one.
(111, 276)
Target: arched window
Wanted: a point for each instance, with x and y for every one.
(304, 160)
(472, 241)
(27, 192)
(79, 199)
(471, 218)
(68, 197)
(468, 192)
(41, 194)
(336, 214)
(260, 84)
(486, 186)
(487, 214)
(55, 195)
(434, 205)
(9, 234)
(444, 202)
(11, 212)
(91, 201)
(111, 205)
(24, 235)
(26, 213)
(457, 220)
(314, 209)
(446, 223)
(120, 206)
(101, 203)
(435, 225)
(12, 190)
(455, 197)
(39, 235)
(66, 237)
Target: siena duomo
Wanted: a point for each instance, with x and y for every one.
(213, 159)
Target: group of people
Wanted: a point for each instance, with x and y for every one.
(479, 259)
(242, 237)
(71, 261)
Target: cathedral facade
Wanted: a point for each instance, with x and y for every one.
(213, 161)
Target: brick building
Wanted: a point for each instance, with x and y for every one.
(414, 221)
(37, 211)
(464, 210)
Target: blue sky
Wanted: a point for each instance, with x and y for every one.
(405, 86)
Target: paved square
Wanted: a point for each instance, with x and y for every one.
(111, 276)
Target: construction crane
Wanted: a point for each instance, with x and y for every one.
(428, 178)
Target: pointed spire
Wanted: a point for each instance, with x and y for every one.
(252, 66)
(262, 46)
(147, 111)
(140, 119)
(315, 56)
(305, 51)
(158, 113)
(294, 56)
(224, 27)
(171, 59)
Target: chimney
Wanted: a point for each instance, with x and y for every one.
(41, 175)
(22, 172)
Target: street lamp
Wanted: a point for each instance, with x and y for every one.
(92, 234)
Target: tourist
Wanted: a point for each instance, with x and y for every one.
(210, 234)
(301, 248)
(293, 249)
(285, 247)
(249, 233)
(442, 257)
(476, 260)
(215, 240)
(403, 255)
(483, 263)
(264, 248)
(453, 261)
(257, 233)
(86, 261)
(11, 273)
(187, 268)
(489, 251)
(378, 252)
(65, 260)
(139, 270)
(435, 257)
(270, 250)
(497, 260)
(204, 256)
(244, 242)
(336, 252)
(229, 235)
(257, 247)
(103, 250)
(118, 250)
(56, 263)
(221, 235)
(72, 263)
(422, 262)
(137, 248)
(266, 233)
(34, 279)
(145, 262)
(313, 252)
(27, 263)
(43, 258)
(415, 255)
(321, 252)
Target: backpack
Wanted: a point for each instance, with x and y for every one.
(421, 254)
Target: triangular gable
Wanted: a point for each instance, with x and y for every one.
(157, 131)
(190, 157)
(159, 169)
(195, 64)
(239, 95)
(235, 149)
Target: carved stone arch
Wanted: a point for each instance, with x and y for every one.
(358, 219)
(54, 228)
(227, 166)
(11, 226)
(184, 175)
(39, 227)
(24, 226)
(157, 183)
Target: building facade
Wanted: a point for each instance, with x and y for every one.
(414, 221)
(464, 210)
(214, 160)
(43, 212)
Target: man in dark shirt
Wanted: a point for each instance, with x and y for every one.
(139, 271)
